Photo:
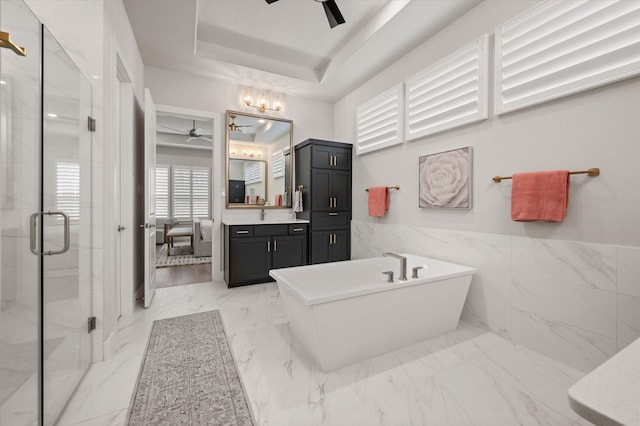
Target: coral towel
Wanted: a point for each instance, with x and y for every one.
(378, 201)
(540, 196)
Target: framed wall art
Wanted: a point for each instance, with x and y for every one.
(445, 179)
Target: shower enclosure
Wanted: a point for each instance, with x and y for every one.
(45, 223)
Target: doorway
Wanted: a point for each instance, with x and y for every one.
(184, 198)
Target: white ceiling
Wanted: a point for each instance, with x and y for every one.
(286, 46)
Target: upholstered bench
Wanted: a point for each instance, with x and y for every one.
(178, 231)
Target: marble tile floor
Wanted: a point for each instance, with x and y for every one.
(467, 377)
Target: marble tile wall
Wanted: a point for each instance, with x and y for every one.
(578, 303)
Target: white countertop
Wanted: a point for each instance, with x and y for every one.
(610, 394)
(257, 221)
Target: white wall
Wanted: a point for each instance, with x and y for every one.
(183, 157)
(119, 42)
(536, 282)
(594, 129)
(311, 118)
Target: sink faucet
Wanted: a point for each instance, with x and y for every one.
(262, 214)
(403, 264)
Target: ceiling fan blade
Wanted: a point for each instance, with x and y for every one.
(189, 139)
(205, 138)
(271, 1)
(333, 13)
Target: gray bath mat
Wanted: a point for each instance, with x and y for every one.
(188, 376)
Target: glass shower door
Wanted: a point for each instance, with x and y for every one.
(66, 229)
(20, 196)
(45, 183)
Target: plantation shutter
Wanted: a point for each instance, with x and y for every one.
(253, 173)
(181, 177)
(68, 189)
(559, 48)
(450, 93)
(200, 196)
(162, 191)
(379, 121)
(278, 164)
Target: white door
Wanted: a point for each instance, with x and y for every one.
(149, 198)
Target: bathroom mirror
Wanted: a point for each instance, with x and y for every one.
(259, 161)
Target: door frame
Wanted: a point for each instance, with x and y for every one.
(124, 196)
(217, 179)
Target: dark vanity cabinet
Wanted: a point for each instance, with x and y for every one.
(323, 168)
(252, 250)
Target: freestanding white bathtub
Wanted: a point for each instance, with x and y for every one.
(345, 312)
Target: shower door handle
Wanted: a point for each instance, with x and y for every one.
(33, 232)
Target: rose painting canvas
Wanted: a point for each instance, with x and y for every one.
(445, 179)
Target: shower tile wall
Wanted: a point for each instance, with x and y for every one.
(576, 302)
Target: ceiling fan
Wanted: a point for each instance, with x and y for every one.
(330, 8)
(193, 133)
(233, 126)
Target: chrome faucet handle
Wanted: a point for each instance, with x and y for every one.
(415, 270)
(389, 276)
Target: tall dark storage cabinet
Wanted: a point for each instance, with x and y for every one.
(324, 170)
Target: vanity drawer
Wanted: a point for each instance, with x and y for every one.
(330, 220)
(297, 229)
(241, 231)
(269, 230)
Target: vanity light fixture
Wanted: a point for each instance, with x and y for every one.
(262, 104)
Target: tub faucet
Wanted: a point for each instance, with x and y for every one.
(403, 264)
(262, 214)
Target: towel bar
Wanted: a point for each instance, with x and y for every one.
(390, 187)
(591, 172)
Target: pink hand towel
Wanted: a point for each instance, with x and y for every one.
(378, 201)
(540, 196)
